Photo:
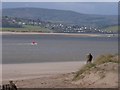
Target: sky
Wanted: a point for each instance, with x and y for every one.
(100, 8)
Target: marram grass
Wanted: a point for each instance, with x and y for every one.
(100, 60)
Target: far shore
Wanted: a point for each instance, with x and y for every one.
(68, 34)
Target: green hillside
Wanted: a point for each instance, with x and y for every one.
(112, 28)
(63, 16)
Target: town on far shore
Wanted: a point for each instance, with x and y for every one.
(16, 24)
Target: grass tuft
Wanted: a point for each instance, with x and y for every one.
(81, 71)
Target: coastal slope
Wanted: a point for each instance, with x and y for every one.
(102, 73)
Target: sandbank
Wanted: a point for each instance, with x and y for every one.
(37, 70)
(37, 33)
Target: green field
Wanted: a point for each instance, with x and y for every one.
(112, 28)
(28, 28)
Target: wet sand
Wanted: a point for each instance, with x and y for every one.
(37, 70)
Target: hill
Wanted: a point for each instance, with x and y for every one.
(62, 16)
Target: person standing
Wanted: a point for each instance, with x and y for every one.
(89, 58)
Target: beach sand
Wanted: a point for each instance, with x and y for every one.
(58, 75)
(68, 34)
(60, 34)
(37, 70)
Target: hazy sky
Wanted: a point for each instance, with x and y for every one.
(104, 8)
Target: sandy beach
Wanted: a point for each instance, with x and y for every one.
(58, 75)
(68, 34)
(60, 34)
(37, 70)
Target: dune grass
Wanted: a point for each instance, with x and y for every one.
(106, 58)
(100, 60)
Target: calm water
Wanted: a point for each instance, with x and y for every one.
(18, 48)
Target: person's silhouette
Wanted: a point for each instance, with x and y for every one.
(89, 58)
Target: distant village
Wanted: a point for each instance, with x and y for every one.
(10, 22)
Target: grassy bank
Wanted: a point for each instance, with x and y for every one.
(103, 59)
(27, 28)
(113, 29)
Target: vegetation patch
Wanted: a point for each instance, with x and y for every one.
(100, 60)
(113, 29)
(84, 69)
(28, 28)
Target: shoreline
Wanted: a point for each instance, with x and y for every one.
(38, 70)
(66, 34)
(60, 34)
